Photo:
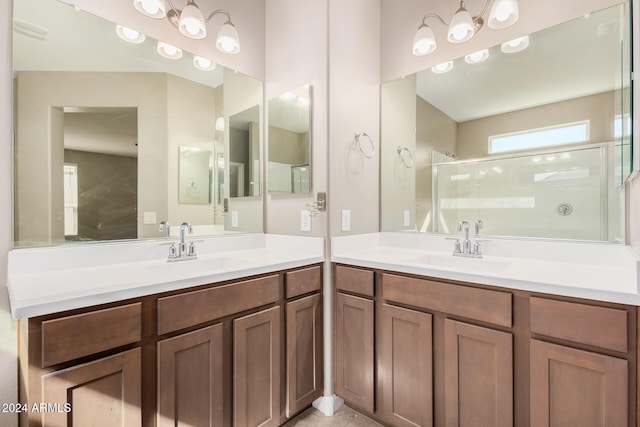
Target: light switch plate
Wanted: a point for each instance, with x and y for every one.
(346, 220)
(407, 218)
(234, 219)
(149, 217)
(305, 220)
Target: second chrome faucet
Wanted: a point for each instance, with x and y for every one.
(465, 248)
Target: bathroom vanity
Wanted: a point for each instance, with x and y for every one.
(229, 346)
(422, 340)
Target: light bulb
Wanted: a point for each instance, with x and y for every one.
(424, 41)
(228, 40)
(442, 68)
(169, 51)
(150, 6)
(477, 57)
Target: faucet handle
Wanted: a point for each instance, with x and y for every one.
(477, 250)
(457, 249)
(192, 249)
(173, 251)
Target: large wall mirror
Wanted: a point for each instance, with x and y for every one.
(289, 135)
(115, 133)
(532, 136)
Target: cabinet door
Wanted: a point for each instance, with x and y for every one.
(190, 379)
(406, 358)
(478, 370)
(572, 387)
(105, 392)
(304, 353)
(354, 378)
(256, 380)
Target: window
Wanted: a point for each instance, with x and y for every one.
(569, 133)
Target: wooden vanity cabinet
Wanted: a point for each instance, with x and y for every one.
(405, 356)
(473, 379)
(228, 354)
(190, 378)
(444, 353)
(574, 385)
(354, 337)
(82, 367)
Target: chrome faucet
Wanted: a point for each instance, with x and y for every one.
(464, 248)
(183, 252)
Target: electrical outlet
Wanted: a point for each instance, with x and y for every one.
(407, 218)
(305, 220)
(234, 219)
(346, 220)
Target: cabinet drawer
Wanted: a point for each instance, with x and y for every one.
(303, 281)
(587, 324)
(354, 280)
(192, 308)
(479, 304)
(72, 337)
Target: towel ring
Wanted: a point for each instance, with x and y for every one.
(407, 159)
(369, 155)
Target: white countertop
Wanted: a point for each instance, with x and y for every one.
(53, 279)
(596, 271)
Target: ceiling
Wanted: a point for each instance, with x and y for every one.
(578, 58)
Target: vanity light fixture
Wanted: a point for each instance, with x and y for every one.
(477, 57)
(515, 45)
(169, 51)
(464, 26)
(443, 67)
(129, 35)
(191, 22)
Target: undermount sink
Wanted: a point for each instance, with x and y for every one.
(462, 263)
(198, 266)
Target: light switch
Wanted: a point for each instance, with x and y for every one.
(305, 220)
(149, 217)
(234, 219)
(407, 218)
(346, 220)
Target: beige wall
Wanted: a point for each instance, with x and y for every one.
(291, 147)
(8, 327)
(354, 106)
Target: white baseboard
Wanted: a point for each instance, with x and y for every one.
(328, 405)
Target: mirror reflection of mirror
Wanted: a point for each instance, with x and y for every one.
(516, 137)
(126, 93)
(289, 136)
(244, 153)
(195, 176)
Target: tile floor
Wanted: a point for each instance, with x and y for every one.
(344, 417)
